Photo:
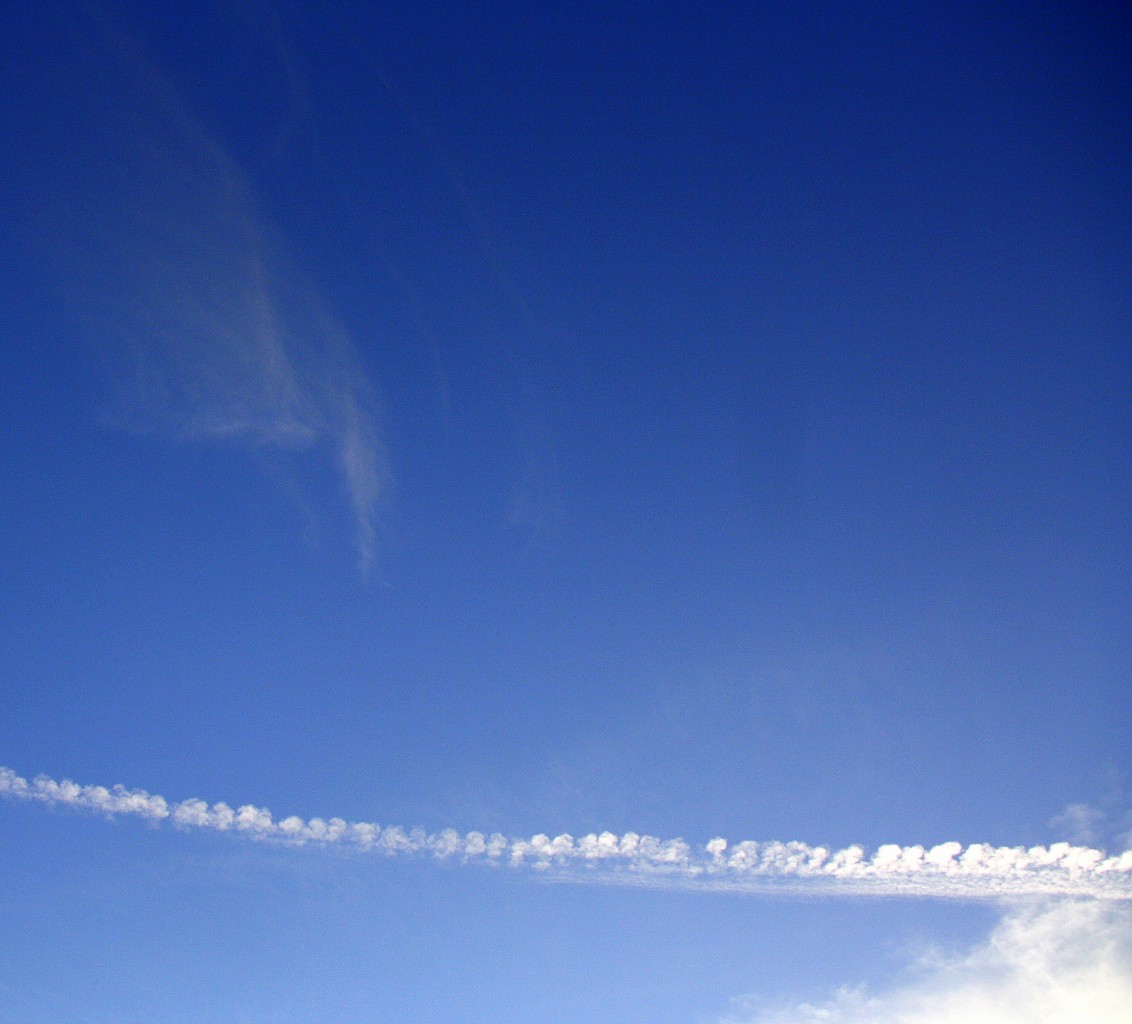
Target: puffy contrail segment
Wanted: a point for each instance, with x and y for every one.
(977, 871)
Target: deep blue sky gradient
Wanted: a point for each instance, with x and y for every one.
(753, 393)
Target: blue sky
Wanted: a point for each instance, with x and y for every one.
(561, 419)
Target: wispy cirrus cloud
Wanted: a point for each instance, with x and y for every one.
(950, 870)
(1079, 822)
(163, 244)
(1046, 962)
(233, 345)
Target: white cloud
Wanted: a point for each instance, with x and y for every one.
(1052, 962)
(238, 347)
(975, 871)
(1124, 837)
(1079, 823)
(163, 241)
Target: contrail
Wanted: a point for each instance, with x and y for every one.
(977, 871)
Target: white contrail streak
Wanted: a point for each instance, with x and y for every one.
(977, 871)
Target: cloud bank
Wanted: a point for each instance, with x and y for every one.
(1049, 962)
(952, 870)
